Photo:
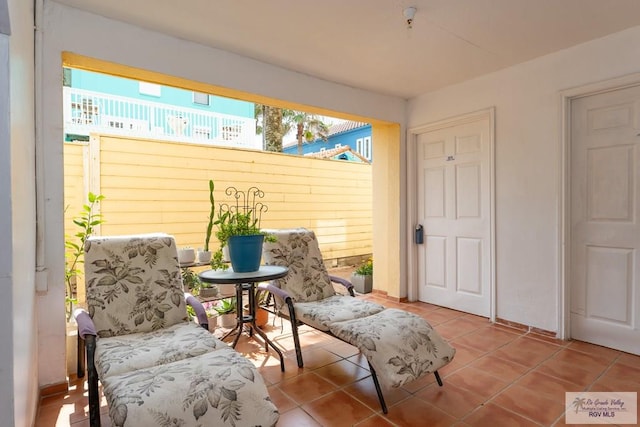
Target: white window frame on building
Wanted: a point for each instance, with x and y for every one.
(363, 147)
(201, 98)
(151, 89)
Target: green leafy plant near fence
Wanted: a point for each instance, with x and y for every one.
(191, 281)
(74, 256)
(366, 268)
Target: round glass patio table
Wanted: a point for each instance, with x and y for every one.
(247, 282)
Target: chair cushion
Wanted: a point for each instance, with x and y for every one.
(321, 314)
(220, 388)
(298, 249)
(400, 346)
(134, 284)
(125, 353)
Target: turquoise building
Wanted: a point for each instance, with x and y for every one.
(96, 102)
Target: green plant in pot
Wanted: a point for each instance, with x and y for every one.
(226, 309)
(217, 260)
(87, 222)
(362, 277)
(212, 316)
(366, 268)
(191, 281)
(239, 229)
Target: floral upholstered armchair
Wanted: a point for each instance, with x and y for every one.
(157, 367)
(306, 295)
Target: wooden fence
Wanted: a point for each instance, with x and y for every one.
(159, 186)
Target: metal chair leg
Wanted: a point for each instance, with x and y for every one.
(80, 355)
(378, 389)
(438, 379)
(294, 330)
(92, 383)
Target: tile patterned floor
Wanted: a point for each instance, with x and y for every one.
(500, 376)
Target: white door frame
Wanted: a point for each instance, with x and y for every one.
(412, 208)
(564, 237)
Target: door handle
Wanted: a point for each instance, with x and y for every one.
(419, 234)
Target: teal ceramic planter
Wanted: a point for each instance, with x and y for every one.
(245, 252)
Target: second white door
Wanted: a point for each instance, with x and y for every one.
(454, 208)
(605, 219)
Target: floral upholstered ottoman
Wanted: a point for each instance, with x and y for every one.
(219, 388)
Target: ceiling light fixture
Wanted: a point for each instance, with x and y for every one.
(409, 13)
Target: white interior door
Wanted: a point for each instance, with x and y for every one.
(453, 166)
(605, 219)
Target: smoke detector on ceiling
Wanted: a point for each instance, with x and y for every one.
(409, 13)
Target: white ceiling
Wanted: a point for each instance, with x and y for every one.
(366, 43)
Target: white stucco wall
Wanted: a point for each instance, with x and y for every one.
(6, 284)
(68, 29)
(528, 162)
(18, 349)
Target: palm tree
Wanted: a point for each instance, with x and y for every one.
(309, 128)
(273, 128)
(274, 123)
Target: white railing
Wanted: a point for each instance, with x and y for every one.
(86, 111)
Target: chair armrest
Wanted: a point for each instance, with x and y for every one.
(85, 323)
(201, 314)
(344, 282)
(280, 293)
(87, 341)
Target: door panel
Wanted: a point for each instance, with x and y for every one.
(605, 219)
(610, 179)
(610, 279)
(436, 257)
(469, 265)
(468, 192)
(454, 207)
(434, 180)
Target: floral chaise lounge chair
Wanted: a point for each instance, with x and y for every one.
(156, 367)
(399, 346)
